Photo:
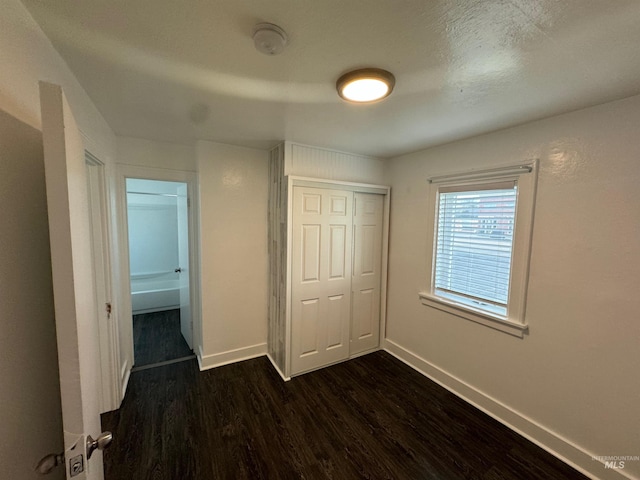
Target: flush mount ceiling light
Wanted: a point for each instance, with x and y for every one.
(269, 39)
(366, 85)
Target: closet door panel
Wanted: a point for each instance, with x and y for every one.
(337, 251)
(321, 277)
(309, 317)
(364, 312)
(337, 317)
(367, 249)
(367, 269)
(311, 253)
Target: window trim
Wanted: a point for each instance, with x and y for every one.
(525, 175)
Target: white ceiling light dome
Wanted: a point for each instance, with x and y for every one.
(269, 39)
(366, 85)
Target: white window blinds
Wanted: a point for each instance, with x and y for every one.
(474, 244)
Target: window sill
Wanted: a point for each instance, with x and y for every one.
(507, 326)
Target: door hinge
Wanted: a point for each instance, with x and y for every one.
(107, 307)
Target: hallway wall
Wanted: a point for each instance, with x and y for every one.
(150, 153)
(233, 206)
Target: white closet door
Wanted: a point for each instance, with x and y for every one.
(367, 267)
(321, 277)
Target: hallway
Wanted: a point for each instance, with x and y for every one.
(157, 338)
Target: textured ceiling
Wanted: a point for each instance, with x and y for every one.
(181, 71)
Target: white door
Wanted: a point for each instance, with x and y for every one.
(107, 328)
(183, 260)
(367, 267)
(73, 281)
(321, 277)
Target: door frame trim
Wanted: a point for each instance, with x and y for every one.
(124, 171)
(298, 181)
(108, 334)
(99, 154)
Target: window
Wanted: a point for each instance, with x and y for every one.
(480, 245)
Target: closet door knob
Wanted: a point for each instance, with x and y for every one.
(178, 270)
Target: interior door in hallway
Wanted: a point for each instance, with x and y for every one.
(367, 267)
(321, 277)
(186, 323)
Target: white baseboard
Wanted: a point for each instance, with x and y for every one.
(550, 441)
(231, 356)
(199, 356)
(286, 379)
(366, 352)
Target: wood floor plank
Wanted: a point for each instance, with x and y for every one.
(157, 338)
(372, 417)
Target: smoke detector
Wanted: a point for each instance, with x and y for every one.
(269, 39)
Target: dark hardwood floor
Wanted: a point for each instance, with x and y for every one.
(157, 338)
(372, 417)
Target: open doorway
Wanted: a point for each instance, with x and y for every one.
(158, 240)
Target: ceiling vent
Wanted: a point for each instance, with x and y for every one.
(269, 39)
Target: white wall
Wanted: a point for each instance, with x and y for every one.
(153, 234)
(28, 57)
(30, 399)
(233, 224)
(150, 153)
(576, 374)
